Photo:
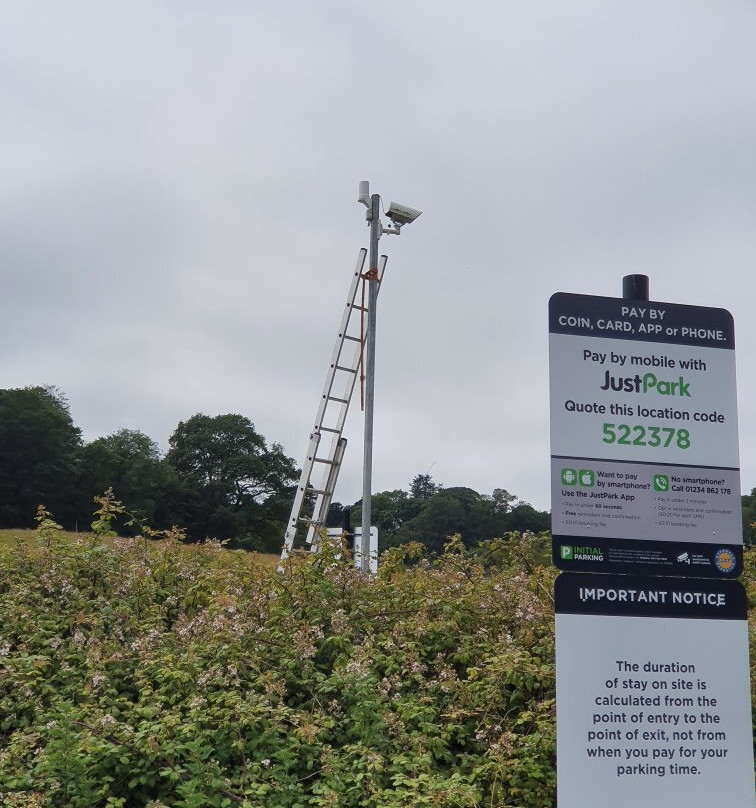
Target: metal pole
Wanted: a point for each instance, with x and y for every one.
(635, 287)
(367, 468)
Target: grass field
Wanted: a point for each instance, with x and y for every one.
(10, 537)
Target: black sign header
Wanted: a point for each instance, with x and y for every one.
(635, 596)
(642, 320)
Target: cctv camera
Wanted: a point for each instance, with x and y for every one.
(401, 214)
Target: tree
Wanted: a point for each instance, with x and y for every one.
(226, 454)
(423, 487)
(38, 447)
(431, 518)
(389, 510)
(502, 501)
(232, 481)
(508, 515)
(128, 461)
(335, 515)
(450, 511)
(524, 517)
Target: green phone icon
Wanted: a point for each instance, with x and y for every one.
(661, 483)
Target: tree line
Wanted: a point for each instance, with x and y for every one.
(219, 478)
(428, 513)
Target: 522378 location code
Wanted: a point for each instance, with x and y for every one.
(642, 435)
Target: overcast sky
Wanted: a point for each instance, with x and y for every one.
(179, 226)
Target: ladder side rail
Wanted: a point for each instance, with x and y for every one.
(324, 489)
(341, 420)
(320, 514)
(342, 334)
(344, 410)
(353, 368)
(304, 481)
(323, 501)
(330, 459)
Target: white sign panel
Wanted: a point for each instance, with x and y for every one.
(644, 439)
(653, 694)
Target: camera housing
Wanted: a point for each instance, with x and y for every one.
(402, 214)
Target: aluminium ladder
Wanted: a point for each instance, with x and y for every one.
(345, 366)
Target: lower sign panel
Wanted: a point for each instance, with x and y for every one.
(647, 557)
(653, 695)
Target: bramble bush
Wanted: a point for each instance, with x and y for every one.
(140, 673)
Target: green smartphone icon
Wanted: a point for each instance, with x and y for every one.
(661, 482)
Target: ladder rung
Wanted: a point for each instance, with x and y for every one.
(324, 460)
(348, 370)
(354, 339)
(316, 491)
(359, 308)
(336, 398)
(328, 429)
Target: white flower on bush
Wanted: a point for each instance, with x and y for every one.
(339, 621)
(204, 677)
(358, 667)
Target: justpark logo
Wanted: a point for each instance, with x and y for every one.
(648, 383)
